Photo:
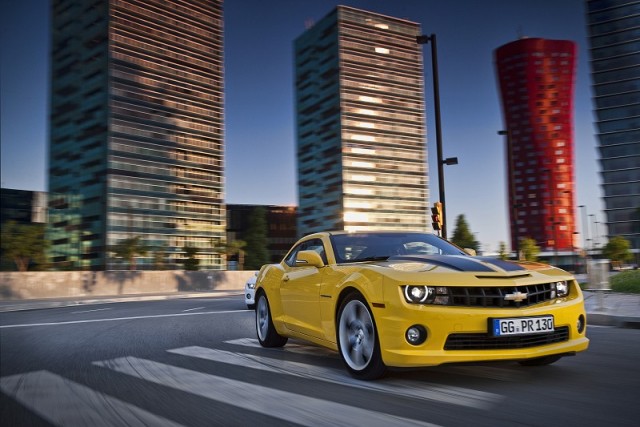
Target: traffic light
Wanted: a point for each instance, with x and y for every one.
(436, 216)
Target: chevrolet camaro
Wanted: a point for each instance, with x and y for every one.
(405, 299)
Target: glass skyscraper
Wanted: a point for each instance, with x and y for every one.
(361, 146)
(537, 81)
(136, 130)
(614, 31)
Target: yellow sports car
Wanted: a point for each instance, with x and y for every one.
(404, 299)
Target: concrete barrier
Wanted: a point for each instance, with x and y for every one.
(64, 284)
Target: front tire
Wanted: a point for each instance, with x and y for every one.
(267, 334)
(358, 339)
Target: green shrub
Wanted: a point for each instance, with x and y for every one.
(626, 281)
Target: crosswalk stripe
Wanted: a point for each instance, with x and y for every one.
(493, 373)
(426, 391)
(280, 404)
(63, 402)
(290, 347)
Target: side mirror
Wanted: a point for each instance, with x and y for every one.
(310, 258)
(470, 251)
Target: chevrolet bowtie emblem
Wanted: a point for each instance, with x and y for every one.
(516, 296)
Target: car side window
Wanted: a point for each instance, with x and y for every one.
(309, 245)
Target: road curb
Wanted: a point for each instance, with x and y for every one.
(22, 305)
(604, 319)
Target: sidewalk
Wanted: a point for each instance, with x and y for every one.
(604, 308)
(612, 309)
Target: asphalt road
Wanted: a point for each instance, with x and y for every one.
(196, 362)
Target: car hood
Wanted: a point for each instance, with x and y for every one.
(460, 263)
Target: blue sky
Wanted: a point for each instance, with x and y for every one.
(259, 98)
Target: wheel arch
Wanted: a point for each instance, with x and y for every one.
(370, 286)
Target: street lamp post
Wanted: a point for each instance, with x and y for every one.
(512, 192)
(585, 230)
(593, 233)
(424, 39)
(555, 240)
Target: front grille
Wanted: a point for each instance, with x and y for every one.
(495, 296)
(485, 341)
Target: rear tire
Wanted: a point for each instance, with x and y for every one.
(541, 361)
(267, 334)
(358, 339)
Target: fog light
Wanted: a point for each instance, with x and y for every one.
(582, 323)
(416, 335)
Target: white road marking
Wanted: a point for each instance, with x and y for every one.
(414, 389)
(192, 309)
(284, 405)
(290, 347)
(89, 311)
(65, 403)
(485, 371)
(115, 319)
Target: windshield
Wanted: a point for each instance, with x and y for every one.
(356, 247)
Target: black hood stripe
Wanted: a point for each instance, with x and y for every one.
(505, 265)
(453, 262)
(461, 263)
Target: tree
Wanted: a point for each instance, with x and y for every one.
(529, 249)
(191, 263)
(229, 249)
(129, 249)
(257, 253)
(502, 251)
(618, 249)
(24, 244)
(462, 236)
(236, 247)
(159, 257)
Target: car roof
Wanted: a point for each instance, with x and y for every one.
(336, 232)
(330, 233)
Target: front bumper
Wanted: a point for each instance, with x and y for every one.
(442, 321)
(249, 296)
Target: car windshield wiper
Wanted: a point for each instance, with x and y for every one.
(373, 258)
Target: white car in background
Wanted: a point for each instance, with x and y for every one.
(250, 292)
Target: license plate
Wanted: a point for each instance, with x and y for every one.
(521, 325)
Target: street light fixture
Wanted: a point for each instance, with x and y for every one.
(450, 161)
(431, 39)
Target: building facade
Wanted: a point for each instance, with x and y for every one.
(281, 227)
(360, 112)
(23, 206)
(136, 129)
(537, 78)
(615, 72)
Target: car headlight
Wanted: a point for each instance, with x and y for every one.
(420, 294)
(561, 289)
(416, 294)
(251, 285)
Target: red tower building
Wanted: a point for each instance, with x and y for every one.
(536, 79)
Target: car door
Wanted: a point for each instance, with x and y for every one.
(300, 291)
